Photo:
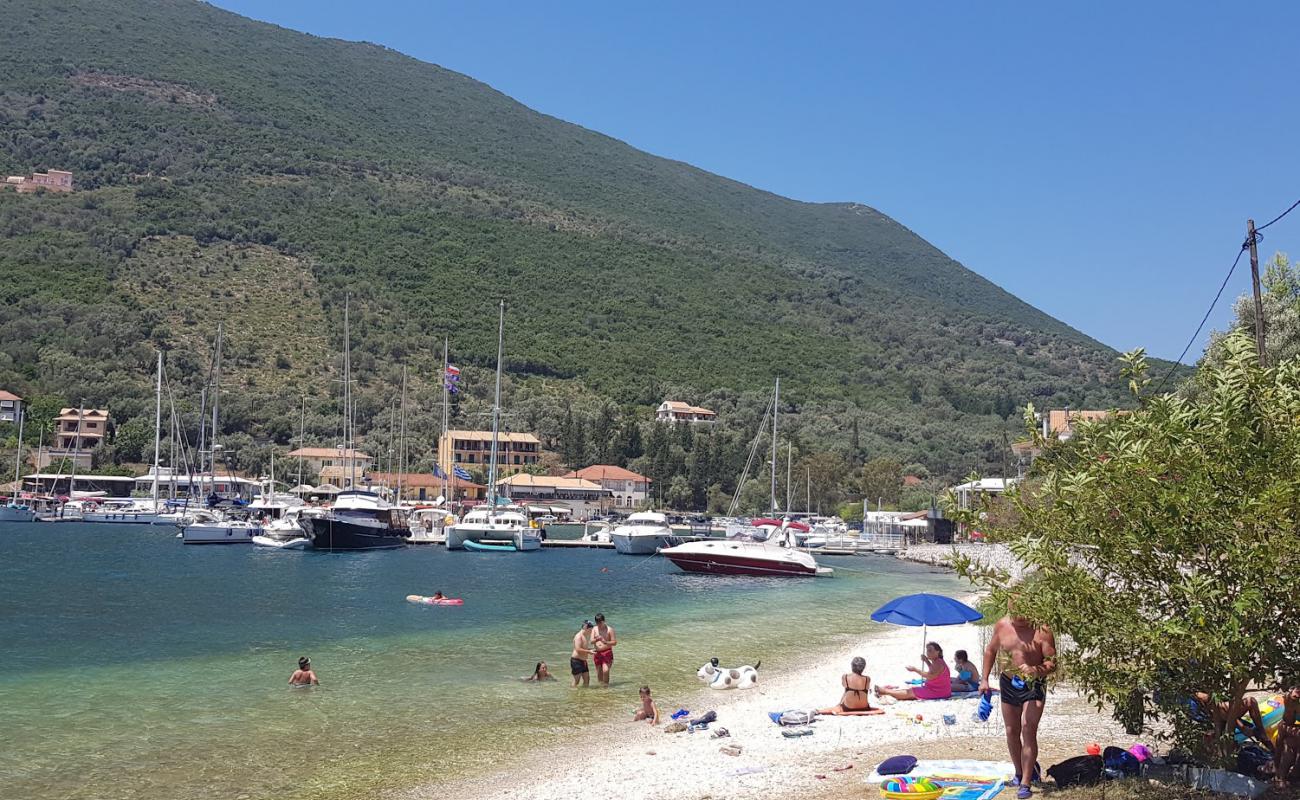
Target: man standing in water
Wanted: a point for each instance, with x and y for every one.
(581, 651)
(1026, 653)
(603, 640)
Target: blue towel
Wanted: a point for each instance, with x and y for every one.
(986, 707)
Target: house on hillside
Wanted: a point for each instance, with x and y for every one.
(76, 433)
(676, 411)
(11, 406)
(56, 180)
(1060, 422)
(473, 450)
(627, 489)
(333, 465)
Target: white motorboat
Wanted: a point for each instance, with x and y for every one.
(428, 525)
(507, 526)
(127, 512)
(220, 531)
(299, 542)
(740, 556)
(600, 535)
(644, 533)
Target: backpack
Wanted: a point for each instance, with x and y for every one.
(1254, 762)
(1077, 771)
(1118, 763)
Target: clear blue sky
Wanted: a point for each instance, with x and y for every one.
(1098, 160)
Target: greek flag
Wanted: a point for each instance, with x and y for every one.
(462, 473)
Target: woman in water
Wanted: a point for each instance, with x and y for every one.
(967, 678)
(938, 678)
(856, 698)
(303, 676)
(540, 673)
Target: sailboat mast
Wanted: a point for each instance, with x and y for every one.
(776, 402)
(76, 449)
(18, 457)
(496, 411)
(216, 407)
(157, 430)
(302, 435)
(401, 440)
(446, 397)
(789, 466)
(348, 461)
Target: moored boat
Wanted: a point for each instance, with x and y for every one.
(359, 520)
(643, 533)
(743, 557)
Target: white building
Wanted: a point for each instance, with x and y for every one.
(627, 489)
(11, 406)
(675, 411)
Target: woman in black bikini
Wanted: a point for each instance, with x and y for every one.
(856, 698)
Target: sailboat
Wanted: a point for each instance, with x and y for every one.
(494, 527)
(16, 510)
(359, 520)
(761, 550)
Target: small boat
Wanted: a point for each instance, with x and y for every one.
(280, 543)
(224, 531)
(470, 544)
(434, 601)
(644, 533)
(359, 521)
(17, 512)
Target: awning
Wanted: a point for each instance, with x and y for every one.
(326, 488)
(558, 510)
(538, 510)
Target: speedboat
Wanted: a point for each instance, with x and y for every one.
(740, 556)
(289, 532)
(643, 534)
(505, 526)
(359, 520)
(220, 531)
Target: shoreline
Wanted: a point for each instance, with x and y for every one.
(634, 760)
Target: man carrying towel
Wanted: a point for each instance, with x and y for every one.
(581, 652)
(1027, 654)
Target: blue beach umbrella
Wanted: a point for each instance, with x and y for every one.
(923, 610)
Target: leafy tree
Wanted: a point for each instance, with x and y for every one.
(718, 500)
(133, 441)
(679, 493)
(755, 497)
(824, 475)
(1280, 301)
(881, 480)
(1161, 544)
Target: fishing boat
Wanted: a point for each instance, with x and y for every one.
(504, 526)
(644, 533)
(761, 548)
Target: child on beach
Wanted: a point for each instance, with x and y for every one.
(966, 676)
(303, 676)
(648, 710)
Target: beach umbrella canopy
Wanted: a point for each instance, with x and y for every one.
(923, 610)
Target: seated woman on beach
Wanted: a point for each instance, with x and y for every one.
(938, 679)
(647, 711)
(967, 678)
(856, 698)
(540, 673)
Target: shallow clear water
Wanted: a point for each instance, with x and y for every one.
(132, 666)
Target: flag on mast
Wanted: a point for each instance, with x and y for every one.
(451, 379)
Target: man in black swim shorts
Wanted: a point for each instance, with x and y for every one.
(581, 652)
(1028, 655)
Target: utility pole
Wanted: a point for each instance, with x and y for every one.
(1254, 284)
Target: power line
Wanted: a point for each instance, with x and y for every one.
(1244, 247)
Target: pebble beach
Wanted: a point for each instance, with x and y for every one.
(634, 760)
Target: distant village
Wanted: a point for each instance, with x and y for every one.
(578, 494)
(55, 180)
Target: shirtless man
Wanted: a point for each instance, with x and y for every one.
(303, 676)
(1027, 653)
(1288, 736)
(603, 641)
(581, 652)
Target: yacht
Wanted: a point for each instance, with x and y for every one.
(290, 530)
(17, 510)
(506, 528)
(216, 530)
(643, 533)
(128, 512)
(359, 520)
(428, 525)
(495, 527)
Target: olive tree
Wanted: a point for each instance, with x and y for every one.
(1163, 544)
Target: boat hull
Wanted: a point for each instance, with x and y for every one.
(642, 545)
(462, 537)
(728, 558)
(300, 543)
(333, 534)
(218, 534)
(128, 518)
(17, 514)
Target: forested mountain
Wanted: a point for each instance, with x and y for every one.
(233, 170)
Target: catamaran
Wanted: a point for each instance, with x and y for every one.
(494, 527)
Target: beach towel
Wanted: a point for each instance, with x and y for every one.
(962, 768)
(867, 712)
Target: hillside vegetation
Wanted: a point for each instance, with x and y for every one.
(233, 170)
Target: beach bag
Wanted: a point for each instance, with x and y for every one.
(896, 765)
(1077, 771)
(1119, 763)
(1254, 761)
(797, 718)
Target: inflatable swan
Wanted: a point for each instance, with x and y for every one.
(728, 678)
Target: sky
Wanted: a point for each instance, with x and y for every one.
(1099, 160)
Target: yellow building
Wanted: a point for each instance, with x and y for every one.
(473, 450)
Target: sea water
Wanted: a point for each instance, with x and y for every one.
(132, 666)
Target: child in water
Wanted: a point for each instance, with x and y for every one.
(648, 710)
(303, 676)
(540, 673)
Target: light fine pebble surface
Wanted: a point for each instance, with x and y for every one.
(624, 759)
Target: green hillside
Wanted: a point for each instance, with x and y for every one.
(233, 170)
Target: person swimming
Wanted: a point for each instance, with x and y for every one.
(437, 596)
(540, 673)
(303, 676)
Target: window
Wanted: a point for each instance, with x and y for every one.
(471, 458)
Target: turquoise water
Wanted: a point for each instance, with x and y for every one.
(135, 667)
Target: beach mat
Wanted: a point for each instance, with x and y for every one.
(956, 769)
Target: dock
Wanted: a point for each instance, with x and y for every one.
(577, 543)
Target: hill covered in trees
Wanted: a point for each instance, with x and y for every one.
(233, 170)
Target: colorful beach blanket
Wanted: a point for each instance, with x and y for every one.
(962, 779)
